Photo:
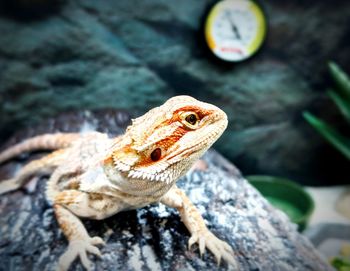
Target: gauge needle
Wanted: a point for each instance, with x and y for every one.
(234, 27)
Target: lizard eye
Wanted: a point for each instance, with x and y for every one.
(190, 119)
(156, 154)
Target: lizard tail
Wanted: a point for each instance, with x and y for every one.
(42, 142)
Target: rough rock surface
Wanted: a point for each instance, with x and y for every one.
(88, 54)
(153, 238)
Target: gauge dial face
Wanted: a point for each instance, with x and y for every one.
(235, 29)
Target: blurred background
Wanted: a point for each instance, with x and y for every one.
(58, 56)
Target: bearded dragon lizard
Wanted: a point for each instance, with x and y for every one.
(94, 176)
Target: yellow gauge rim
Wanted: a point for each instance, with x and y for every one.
(261, 25)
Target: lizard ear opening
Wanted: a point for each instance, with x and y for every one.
(156, 154)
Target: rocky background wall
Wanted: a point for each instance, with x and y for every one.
(128, 54)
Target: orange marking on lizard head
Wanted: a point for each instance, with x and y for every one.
(160, 149)
(179, 128)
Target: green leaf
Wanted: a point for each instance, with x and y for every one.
(329, 133)
(340, 264)
(342, 104)
(341, 79)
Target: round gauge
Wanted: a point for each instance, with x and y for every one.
(235, 29)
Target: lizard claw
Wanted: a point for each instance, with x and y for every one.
(220, 249)
(192, 240)
(80, 248)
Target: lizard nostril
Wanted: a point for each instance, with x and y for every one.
(156, 154)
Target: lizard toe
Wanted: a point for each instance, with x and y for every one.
(96, 240)
(220, 249)
(94, 250)
(85, 260)
(78, 248)
(192, 240)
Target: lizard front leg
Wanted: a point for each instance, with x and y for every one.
(79, 240)
(194, 222)
(69, 204)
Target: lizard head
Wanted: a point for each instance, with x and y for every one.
(164, 143)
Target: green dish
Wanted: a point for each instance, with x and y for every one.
(287, 196)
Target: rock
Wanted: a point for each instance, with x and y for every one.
(134, 55)
(154, 238)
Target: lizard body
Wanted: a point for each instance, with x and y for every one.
(94, 176)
